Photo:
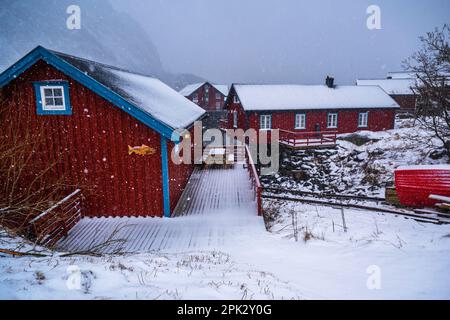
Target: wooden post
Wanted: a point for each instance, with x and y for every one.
(343, 219)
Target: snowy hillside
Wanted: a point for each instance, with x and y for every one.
(106, 36)
(363, 163)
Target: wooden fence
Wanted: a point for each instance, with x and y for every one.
(54, 223)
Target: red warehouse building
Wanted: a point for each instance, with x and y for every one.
(310, 108)
(210, 97)
(400, 89)
(109, 130)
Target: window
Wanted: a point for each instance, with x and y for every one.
(218, 96)
(265, 122)
(235, 119)
(300, 121)
(195, 98)
(235, 99)
(332, 121)
(218, 105)
(363, 118)
(52, 98)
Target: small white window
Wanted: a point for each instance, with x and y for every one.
(300, 121)
(218, 105)
(218, 96)
(53, 98)
(332, 121)
(363, 118)
(265, 122)
(235, 99)
(235, 119)
(195, 98)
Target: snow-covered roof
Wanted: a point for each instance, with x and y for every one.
(401, 75)
(298, 97)
(189, 89)
(223, 88)
(390, 86)
(146, 93)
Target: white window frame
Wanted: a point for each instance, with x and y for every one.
(46, 107)
(300, 121)
(361, 116)
(235, 99)
(195, 98)
(218, 104)
(218, 96)
(265, 122)
(332, 120)
(235, 119)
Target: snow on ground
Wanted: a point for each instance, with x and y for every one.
(154, 275)
(364, 169)
(412, 259)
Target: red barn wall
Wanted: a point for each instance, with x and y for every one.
(92, 144)
(407, 102)
(209, 105)
(379, 119)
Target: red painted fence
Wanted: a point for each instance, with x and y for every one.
(415, 184)
(307, 139)
(53, 224)
(254, 178)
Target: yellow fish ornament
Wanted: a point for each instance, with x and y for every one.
(141, 150)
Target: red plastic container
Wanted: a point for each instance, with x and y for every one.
(414, 184)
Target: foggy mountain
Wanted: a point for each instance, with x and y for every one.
(106, 35)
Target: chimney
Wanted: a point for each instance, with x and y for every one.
(329, 81)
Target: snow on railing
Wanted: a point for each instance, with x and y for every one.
(54, 223)
(307, 139)
(254, 178)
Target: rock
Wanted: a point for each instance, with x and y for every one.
(437, 154)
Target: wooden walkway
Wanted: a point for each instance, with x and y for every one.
(216, 208)
(214, 190)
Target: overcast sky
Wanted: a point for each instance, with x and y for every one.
(284, 41)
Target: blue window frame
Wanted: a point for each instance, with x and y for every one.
(52, 98)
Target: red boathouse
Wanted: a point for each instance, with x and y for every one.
(303, 111)
(110, 131)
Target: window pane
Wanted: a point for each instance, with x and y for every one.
(48, 92)
(57, 92)
(49, 102)
(58, 101)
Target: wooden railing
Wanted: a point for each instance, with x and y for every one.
(307, 139)
(253, 173)
(54, 223)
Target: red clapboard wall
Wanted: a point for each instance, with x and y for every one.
(92, 148)
(415, 184)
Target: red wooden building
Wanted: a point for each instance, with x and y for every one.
(306, 109)
(210, 97)
(93, 118)
(400, 89)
